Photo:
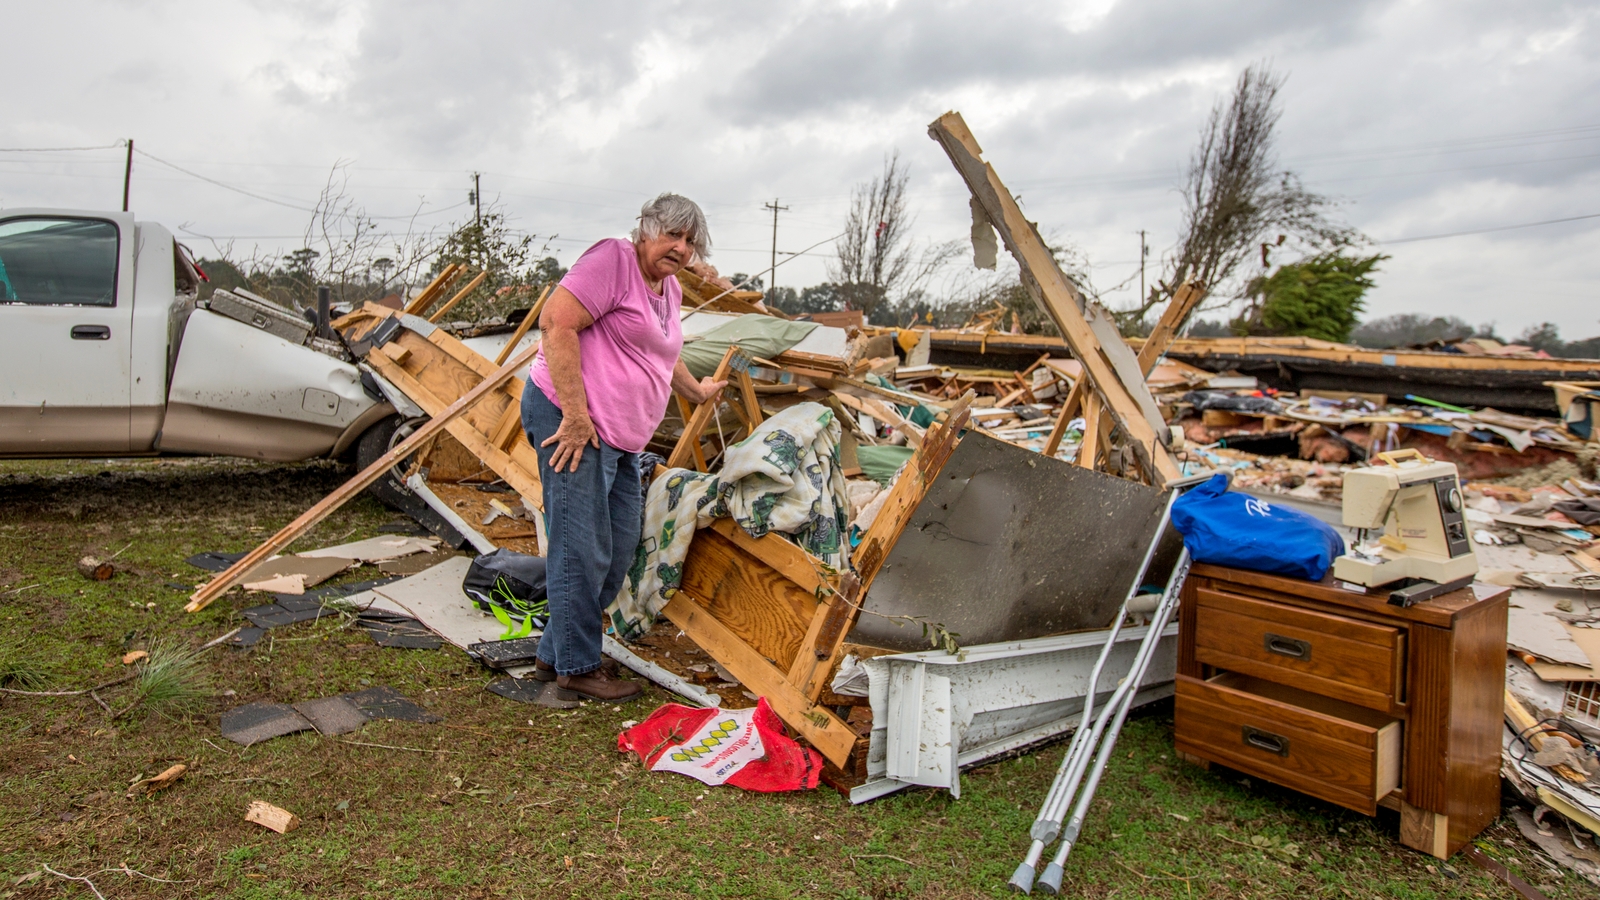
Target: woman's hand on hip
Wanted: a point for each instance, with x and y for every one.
(576, 431)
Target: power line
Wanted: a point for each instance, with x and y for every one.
(1434, 237)
(117, 146)
(238, 190)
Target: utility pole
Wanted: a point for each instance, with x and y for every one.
(1143, 252)
(477, 200)
(127, 176)
(772, 274)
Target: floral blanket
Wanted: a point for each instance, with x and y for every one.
(784, 477)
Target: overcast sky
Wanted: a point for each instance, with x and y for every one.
(1426, 118)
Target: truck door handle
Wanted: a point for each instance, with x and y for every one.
(91, 332)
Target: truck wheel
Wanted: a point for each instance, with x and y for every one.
(374, 443)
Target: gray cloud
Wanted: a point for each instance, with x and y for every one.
(576, 113)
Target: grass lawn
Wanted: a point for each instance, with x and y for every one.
(504, 799)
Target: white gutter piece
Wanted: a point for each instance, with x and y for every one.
(934, 712)
(473, 536)
(615, 649)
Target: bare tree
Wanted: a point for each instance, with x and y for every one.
(875, 251)
(1235, 197)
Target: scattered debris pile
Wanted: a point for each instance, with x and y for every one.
(925, 418)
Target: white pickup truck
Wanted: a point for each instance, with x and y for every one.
(103, 352)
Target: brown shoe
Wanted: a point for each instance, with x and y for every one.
(600, 685)
(543, 671)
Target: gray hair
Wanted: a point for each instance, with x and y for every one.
(674, 212)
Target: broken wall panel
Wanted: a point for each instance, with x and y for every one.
(1008, 544)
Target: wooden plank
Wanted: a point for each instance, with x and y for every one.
(509, 423)
(824, 642)
(755, 602)
(527, 322)
(887, 414)
(519, 467)
(696, 422)
(460, 296)
(440, 283)
(214, 588)
(1069, 409)
(1061, 299)
(460, 352)
(787, 559)
(1089, 450)
(818, 725)
(1184, 301)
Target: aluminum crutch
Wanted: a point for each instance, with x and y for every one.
(1053, 873)
(1047, 826)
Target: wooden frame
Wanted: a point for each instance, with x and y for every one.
(489, 382)
(777, 619)
(1108, 364)
(433, 368)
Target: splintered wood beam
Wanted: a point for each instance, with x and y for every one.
(1184, 301)
(1089, 450)
(437, 286)
(528, 321)
(235, 574)
(695, 423)
(1123, 394)
(1069, 411)
(817, 724)
(460, 296)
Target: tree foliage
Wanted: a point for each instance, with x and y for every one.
(1237, 201)
(517, 268)
(1406, 329)
(1319, 297)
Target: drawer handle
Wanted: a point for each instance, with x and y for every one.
(1266, 740)
(1287, 646)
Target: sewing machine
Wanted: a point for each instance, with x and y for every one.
(1418, 505)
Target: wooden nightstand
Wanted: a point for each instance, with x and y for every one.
(1341, 696)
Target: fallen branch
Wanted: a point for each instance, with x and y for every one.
(91, 690)
(82, 878)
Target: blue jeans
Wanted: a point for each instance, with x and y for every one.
(593, 518)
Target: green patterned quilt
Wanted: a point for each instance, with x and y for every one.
(784, 477)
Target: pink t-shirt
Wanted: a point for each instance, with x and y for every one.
(628, 354)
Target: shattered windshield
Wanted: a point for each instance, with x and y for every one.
(58, 262)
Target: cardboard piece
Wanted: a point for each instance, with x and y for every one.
(313, 571)
(1530, 630)
(376, 549)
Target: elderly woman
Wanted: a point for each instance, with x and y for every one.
(599, 387)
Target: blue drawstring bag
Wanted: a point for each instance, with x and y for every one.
(1228, 528)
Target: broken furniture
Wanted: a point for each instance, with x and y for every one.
(1338, 694)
